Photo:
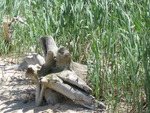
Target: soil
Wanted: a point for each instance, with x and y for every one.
(17, 94)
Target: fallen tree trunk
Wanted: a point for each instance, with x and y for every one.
(77, 95)
(29, 60)
(59, 74)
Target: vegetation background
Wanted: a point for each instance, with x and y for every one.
(111, 36)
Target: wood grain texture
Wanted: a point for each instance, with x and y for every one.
(60, 75)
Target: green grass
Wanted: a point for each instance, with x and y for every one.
(114, 33)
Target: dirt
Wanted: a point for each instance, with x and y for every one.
(17, 94)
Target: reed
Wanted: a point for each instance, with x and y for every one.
(110, 36)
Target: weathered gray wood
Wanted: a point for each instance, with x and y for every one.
(63, 59)
(53, 97)
(67, 86)
(41, 95)
(48, 44)
(38, 59)
(80, 70)
(37, 95)
(29, 60)
(78, 96)
(21, 67)
(71, 78)
(35, 59)
(60, 75)
(32, 71)
(58, 59)
(50, 50)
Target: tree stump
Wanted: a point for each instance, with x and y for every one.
(60, 75)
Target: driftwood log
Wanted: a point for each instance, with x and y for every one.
(29, 60)
(59, 76)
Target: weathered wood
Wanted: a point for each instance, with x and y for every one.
(79, 69)
(63, 59)
(54, 82)
(71, 78)
(48, 44)
(50, 50)
(35, 59)
(21, 67)
(37, 94)
(78, 96)
(67, 84)
(32, 71)
(29, 60)
(60, 75)
(53, 97)
(58, 59)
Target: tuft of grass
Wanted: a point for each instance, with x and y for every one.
(110, 36)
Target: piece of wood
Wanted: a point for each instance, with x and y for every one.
(78, 96)
(71, 78)
(29, 60)
(60, 75)
(63, 59)
(61, 83)
(48, 44)
(50, 50)
(41, 96)
(37, 94)
(74, 93)
(32, 71)
(58, 59)
(53, 97)
(79, 69)
(35, 59)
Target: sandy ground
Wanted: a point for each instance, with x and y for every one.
(17, 95)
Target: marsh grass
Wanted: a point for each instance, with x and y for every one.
(118, 32)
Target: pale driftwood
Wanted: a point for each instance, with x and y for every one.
(61, 82)
(58, 59)
(61, 75)
(38, 94)
(35, 59)
(18, 19)
(78, 96)
(32, 71)
(71, 78)
(29, 60)
(53, 97)
(63, 59)
(53, 81)
(48, 44)
(50, 50)
(80, 70)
